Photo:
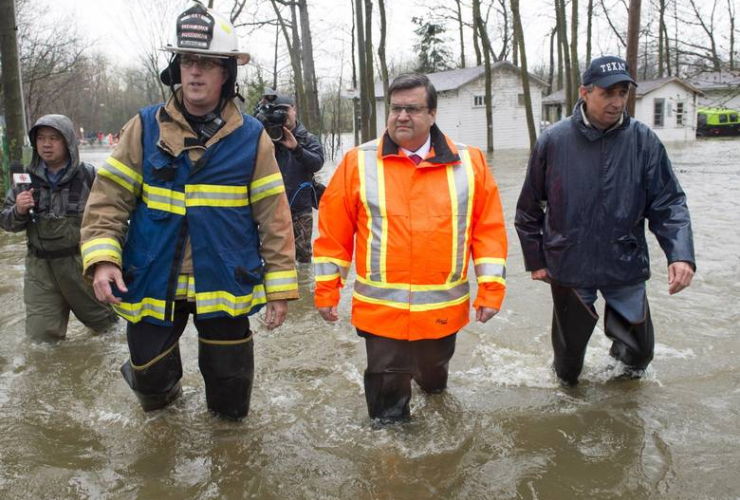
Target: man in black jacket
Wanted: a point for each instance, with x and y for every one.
(591, 182)
(299, 155)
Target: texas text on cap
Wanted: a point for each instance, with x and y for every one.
(606, 71)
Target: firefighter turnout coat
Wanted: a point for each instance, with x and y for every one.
(415, 228)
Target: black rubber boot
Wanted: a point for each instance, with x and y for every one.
(157, 383)
(572, 325)
(388, 396)
(227, 367)
(634, 343)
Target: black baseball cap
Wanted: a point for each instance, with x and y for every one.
(606, 71)
(283, 100)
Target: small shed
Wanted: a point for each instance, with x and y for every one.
(668, 105)
(461, 108)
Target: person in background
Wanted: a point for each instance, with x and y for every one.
(50, 209)
(413, 207)
(189, 216)
(299, 155)
(592, 182)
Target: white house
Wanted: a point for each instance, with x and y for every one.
(668, 105)
(721, 88)
(461, 108)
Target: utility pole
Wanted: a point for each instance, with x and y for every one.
(12, 90)
(633, 38)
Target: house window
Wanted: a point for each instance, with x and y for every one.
(479, 101)
(679, 114)
(520, 100)
(658, 112)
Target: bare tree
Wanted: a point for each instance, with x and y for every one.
(589, 28)
(381, 57)
(362, 77)
(575, 77)
(309, 72)
(481, 30)
(519, 40)
(731, 16)
(12, 90)
(633, 34)
(369, 72)
(563, 38)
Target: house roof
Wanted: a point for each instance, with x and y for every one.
(643, 87)
(715, 80)
(456, 78)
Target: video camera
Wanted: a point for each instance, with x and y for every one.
(273, 118)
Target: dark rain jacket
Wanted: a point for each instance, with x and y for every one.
(298, 167)
(582, 210)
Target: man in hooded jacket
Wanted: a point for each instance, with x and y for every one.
(50, 210)
(591, 183)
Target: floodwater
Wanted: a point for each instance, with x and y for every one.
(71, 429)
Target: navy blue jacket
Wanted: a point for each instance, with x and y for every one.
(581, 213)
(298, 166)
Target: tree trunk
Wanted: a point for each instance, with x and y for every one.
(381, 57)
(12, 89)
(551, 76)
(568, 77)
(519, 40)
(476, 45)
(575, 72)
(480, 28)
(731, 15)
(356, 112)
(667, 44)
(661, 24)
(589, 29)
(633, 34)
(364, 100)
(560, 56)
(309, 73)
(460, 25)
(275, 64)
(300, 86)
(370, 70)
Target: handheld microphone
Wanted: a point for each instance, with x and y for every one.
(22, 180)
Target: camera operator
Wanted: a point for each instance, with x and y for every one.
(299, 155)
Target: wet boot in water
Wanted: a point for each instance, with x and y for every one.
(633, 343)
(227, 367)
(388, 396)
(572, 325)
(157, 383)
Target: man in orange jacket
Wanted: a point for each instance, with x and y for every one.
(418, 207)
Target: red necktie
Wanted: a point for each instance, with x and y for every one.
(415, 158)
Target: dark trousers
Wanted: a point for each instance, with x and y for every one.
(392, 364)
(225, 358)
(573, 323)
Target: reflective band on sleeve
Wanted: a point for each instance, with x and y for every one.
(266, 186)
(490, 270)
(412, 297)
(108, 248)
(281, 281)
(185, 287)
(135, 312)
(122, 175)
(163, 199)
(220, 301)
(210, 195)
(327, 269)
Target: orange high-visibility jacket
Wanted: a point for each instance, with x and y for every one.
(416, 229)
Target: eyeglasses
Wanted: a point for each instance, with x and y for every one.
(204, 63)
(397, 109)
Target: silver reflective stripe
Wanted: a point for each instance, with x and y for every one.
(203, 195)
(374, 190)
(266, 187)
(160, 200)
(111, 168)
(404, 294)
(330, 269)
(101, 246)
(270, 283)
(461, 197)
(487, 269)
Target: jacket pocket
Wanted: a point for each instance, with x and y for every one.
(158, 191)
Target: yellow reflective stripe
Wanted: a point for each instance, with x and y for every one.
(163, 199)
(413, 307)
(265, 180)
(185, 286)
(328, 277)
(135, 311)
(214, 195)
(453, 205)
(492, 279)
(384, 219)
(363, 198)
(281, 281)
(489, 260)
(122, 175)
(468, 164)
(490, 270)
(412, 297)
(100, 247)
(332, 260)
(264, 187)
(221, 301)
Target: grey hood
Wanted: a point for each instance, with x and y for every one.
(65, 127)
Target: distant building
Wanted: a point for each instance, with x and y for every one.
(461, 108)
(668, 105)
(721, 89)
